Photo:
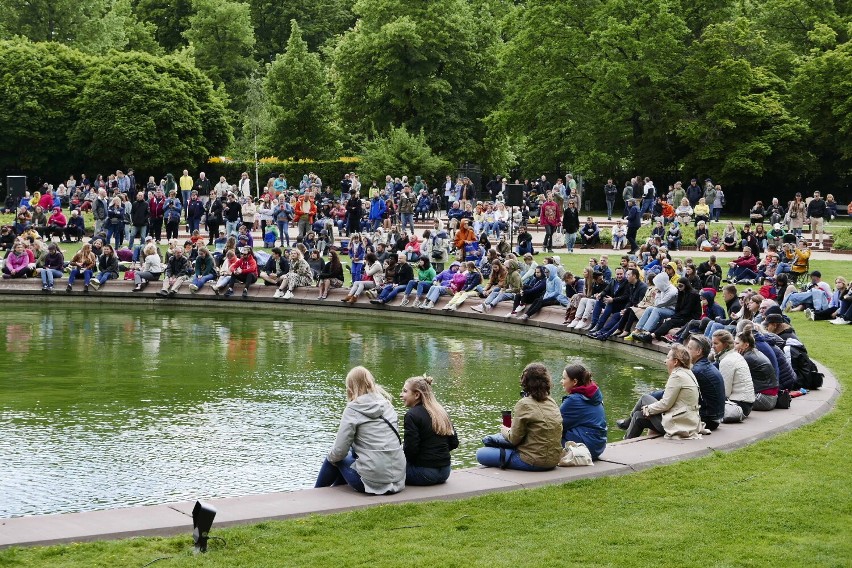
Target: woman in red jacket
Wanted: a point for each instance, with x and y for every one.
(551, 217)
(245, 271)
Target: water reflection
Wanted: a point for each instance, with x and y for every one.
(114, 407)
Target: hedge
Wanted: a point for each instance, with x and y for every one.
(330, 172)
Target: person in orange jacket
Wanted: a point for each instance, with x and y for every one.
(305, 210)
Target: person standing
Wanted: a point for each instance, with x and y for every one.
(649, 196)
(816, 217)
(407, 201)
(610, 192)
(139, 217)
(634, 222)
(717, 204)
(186, 183)
(245, 185)
(571, 224)
(550, 219)
(304, 213)
(627, 196)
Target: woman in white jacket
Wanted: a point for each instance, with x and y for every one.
(739, 388)
(367, 454)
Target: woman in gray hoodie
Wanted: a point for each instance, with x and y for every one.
(367, 454)
(664, 306)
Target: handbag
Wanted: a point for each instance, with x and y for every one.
(559, 238)
(129, 274)
(784, 399)
(575, 454)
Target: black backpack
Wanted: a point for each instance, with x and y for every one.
(807, 374)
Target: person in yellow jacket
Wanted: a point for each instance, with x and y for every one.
(186, 182)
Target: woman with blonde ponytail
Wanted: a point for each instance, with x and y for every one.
(429, 434)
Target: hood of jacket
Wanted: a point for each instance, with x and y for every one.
(370, 405)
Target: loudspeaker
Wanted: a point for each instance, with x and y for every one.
(514, 195)
(16, 186)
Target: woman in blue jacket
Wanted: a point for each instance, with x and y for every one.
(583, 418)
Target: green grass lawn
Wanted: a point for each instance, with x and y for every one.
(780, 502)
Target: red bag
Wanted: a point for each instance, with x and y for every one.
(130, 275)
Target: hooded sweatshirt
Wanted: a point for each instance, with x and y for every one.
(666, 293)
(553, 287)
(513, 277)
(381, 461)
(583, 418)
(446, 276)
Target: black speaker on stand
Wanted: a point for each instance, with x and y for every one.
(16, 186)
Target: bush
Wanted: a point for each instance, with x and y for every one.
(331, 172)
(843, 239)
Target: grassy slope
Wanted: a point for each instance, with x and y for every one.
(784, 501)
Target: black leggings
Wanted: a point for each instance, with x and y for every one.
(539, 303)
(172, 229)
(246, 278)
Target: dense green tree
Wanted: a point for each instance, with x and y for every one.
(170, 18)
(419, 63)
(822, 91)
(222, 38)
(399, 151)
(49, 20)
(739, 127)
(600, 94)
(302, 120)
(118, 28)
(37, 94)
(171, 117)
(318, 19)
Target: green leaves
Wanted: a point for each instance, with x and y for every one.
(399, 151)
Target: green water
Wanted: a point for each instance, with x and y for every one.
(116, 406)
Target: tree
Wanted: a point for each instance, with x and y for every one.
(117, 28)
(302, 120)
(170, 18)
(168, 118)
(37, 97)
(222, 37)
(417, 63)
(49, 20)
(399, 151)
(739, 126)
(319, 20)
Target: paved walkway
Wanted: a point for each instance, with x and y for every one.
(619, 458)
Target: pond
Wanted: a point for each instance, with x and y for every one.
(107, 407)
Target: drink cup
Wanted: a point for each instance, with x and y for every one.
(507, 418)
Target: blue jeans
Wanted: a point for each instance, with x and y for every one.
(340, 473)
(134, 230)
(416, 475)
(47, 276)
(86, 274)
(202, 280)
(374, 224)
(715, 213)
(194, 224)
(389, 292)
(609, 206)
(186, 195)
(436, 292)
(490, 457)
(407, 219)
(284, 231)
(231, 227)
(652, 318)
(601, 313)
(524, 249)
(103, 277)
(116, 230)
(570, 239)
(412, 284)
(814, 297)
(742, 273)
(647, 206)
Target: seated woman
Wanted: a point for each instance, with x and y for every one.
(53, 264)
(229, 262)
(107, 267)
(683, 213)
(82, 264)
(764, 378)
(300, 275)
(424, 275)
(553, 293)
(739, 388)
(443, 285)
(23, 220)
(665, 301)
(152, 268)
(205, 271)
(331, 276)
(429, 434)
(367, 454)
(730, 238)
(56, 224)
(243, 270)
(674, 236)
(583, 416)
(316, 262)
(702, 211)
(473, 278)
(530, 292)
(533, 443)
(18, 262)
(676, 413)
(373, 277)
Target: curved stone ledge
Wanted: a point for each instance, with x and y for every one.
(163, 520)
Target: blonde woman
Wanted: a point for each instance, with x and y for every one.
(152, 268)
(300, 275)
(82, 264)
(226, 270)
(367, 454)
(429, 434)
(373, 277)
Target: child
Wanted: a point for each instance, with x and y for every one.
(195, 237)
(715, 241)
(270, 236)
(619, 234)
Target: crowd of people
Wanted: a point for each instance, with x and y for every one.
(730, 353)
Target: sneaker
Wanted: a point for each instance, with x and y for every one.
(477, 309)
(427, 305)
(96, 284)
(193, 288)
(809, 313)
(629, 337)
(172, 293)
(670, 338)
(280, 294)
(229, 293)
(163, 293)
(416, 304)
(245, 293)
(623, 424)
(486, 308)
(288, 295)
(404, 301)
(839, 321)
(216, 290)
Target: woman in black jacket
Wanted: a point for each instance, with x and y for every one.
(331, 276)
(687, 308)
(429, 434)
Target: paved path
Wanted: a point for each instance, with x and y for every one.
(619, 458)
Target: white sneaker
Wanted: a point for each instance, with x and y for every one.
(404, 301)
(193, 288)
(416, 304)
(96, 284)
(809, 313)
(288, 295)
(574, 323)
(486, 308)
(839, 321)
(477, 309)
(278, 294)
(427, 305)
